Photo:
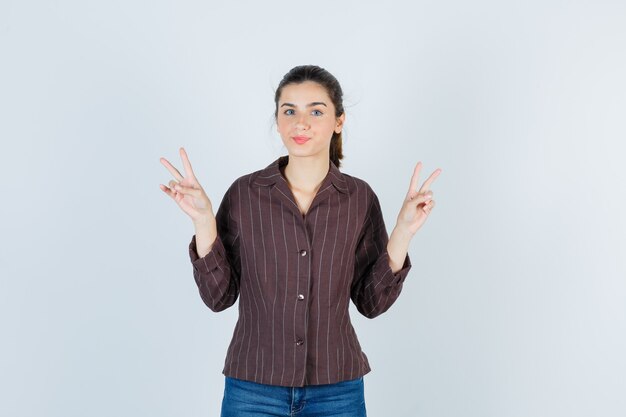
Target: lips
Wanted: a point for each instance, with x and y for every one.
(300, 139)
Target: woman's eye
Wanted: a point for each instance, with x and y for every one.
(319, 113)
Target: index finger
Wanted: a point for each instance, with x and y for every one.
(175, 173)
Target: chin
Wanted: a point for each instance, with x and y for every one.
(299, 152)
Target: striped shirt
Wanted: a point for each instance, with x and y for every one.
(295, 274)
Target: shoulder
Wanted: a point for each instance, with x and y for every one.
(358, 187)
(243, 181)
(365, 205)
(236, 194)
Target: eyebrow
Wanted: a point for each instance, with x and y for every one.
(308, 105)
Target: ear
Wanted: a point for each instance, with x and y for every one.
(340, 121)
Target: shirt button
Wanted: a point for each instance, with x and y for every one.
(300, 297)
(303, 252)
(299, 342)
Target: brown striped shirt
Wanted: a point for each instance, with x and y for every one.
(295, 275)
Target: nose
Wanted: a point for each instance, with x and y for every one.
(302, 122)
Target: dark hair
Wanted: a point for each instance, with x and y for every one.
(319, 75)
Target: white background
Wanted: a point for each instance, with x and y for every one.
(516, 303)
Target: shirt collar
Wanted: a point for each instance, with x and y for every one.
(270, 174)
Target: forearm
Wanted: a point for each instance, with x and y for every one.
(397, 247)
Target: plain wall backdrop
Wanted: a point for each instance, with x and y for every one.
(516, 303)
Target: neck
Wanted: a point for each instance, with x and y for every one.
(306, 173)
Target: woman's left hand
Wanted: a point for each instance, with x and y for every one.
(417, 203)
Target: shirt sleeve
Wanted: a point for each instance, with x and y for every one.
(375, 287)
(218, 273)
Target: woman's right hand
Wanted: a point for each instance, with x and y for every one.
(188, 193)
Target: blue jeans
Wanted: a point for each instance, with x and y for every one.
(251, 399)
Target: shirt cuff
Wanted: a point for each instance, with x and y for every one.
(212, 260)
(390, 279)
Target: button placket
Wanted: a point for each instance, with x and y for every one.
(300, 345)
(300, 342)
(303, 252)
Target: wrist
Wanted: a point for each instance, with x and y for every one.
(402, 233)
(205, 223)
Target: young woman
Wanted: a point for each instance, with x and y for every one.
(296, 241)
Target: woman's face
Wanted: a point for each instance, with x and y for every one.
(305, 109)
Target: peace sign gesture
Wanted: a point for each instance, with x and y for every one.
(187, 192)
(417, 203)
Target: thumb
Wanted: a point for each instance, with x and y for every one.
(187, 190)
(419, 198)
